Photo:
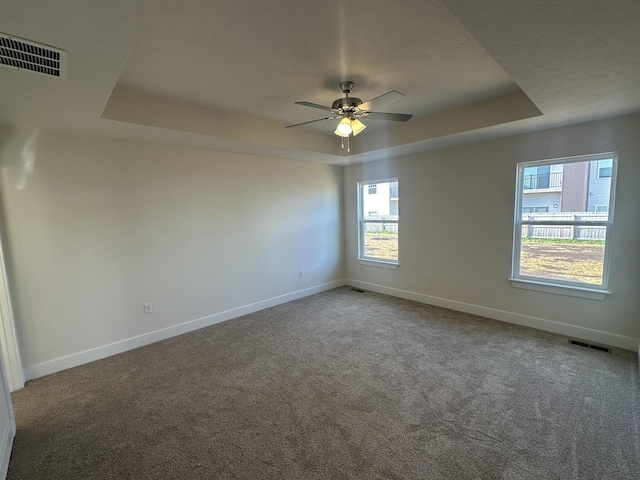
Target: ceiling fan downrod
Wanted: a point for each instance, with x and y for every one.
(346, 87)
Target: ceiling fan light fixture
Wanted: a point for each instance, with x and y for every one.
(357, 126)
(344, 127)
(348, 108)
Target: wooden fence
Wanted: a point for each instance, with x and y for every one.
(573, 232)
(387, 223)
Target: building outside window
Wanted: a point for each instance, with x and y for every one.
(378, 221)
(565, 245)
(535, 209)
(604, 168)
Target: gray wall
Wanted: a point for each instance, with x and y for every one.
(574, 187)
(456, 222)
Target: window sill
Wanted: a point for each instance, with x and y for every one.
(568, 290)
(379, 263)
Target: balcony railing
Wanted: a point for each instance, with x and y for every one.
(543, 180)
(393, 192)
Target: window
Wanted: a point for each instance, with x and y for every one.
(542, 177)
(378, 222)
(564, 251)
(535, 209)
(604, 168)
(536, 177)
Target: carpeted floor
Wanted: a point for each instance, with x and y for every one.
(335, 386)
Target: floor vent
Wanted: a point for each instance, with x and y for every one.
(357, 290)
(26, 55)
(590, 345)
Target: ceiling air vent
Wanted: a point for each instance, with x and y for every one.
(25, 55)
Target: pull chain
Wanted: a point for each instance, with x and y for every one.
(348, 145)
(343, 143)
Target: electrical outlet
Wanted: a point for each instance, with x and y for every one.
(301, 273)
(147, 308)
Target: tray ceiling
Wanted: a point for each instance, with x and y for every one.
(225, 74)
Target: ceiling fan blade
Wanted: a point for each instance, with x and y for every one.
(394, 117)
(310, 121)
(382, 99)
(315, 105)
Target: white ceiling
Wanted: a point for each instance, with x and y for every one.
(225, 74)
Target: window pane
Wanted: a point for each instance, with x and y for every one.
(379, 199)
(381, 240)
(572, 187)
(563, 252)
(379, 220)
(564, 213)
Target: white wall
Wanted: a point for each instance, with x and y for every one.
(456, 222)
(99, 227)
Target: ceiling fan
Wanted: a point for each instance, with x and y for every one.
(352, 109)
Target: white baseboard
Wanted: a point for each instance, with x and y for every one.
(6, 444)
(596, 336)
(80, 358)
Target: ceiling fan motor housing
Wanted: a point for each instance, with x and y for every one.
(346, 104)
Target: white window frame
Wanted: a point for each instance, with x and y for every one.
(558, 286)
(374, 261)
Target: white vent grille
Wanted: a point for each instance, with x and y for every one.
(25, 55)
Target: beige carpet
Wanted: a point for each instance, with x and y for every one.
(335, 386)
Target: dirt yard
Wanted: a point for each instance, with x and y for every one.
(583, 263)
(381, 245)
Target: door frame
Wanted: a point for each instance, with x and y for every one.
(14, 373)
